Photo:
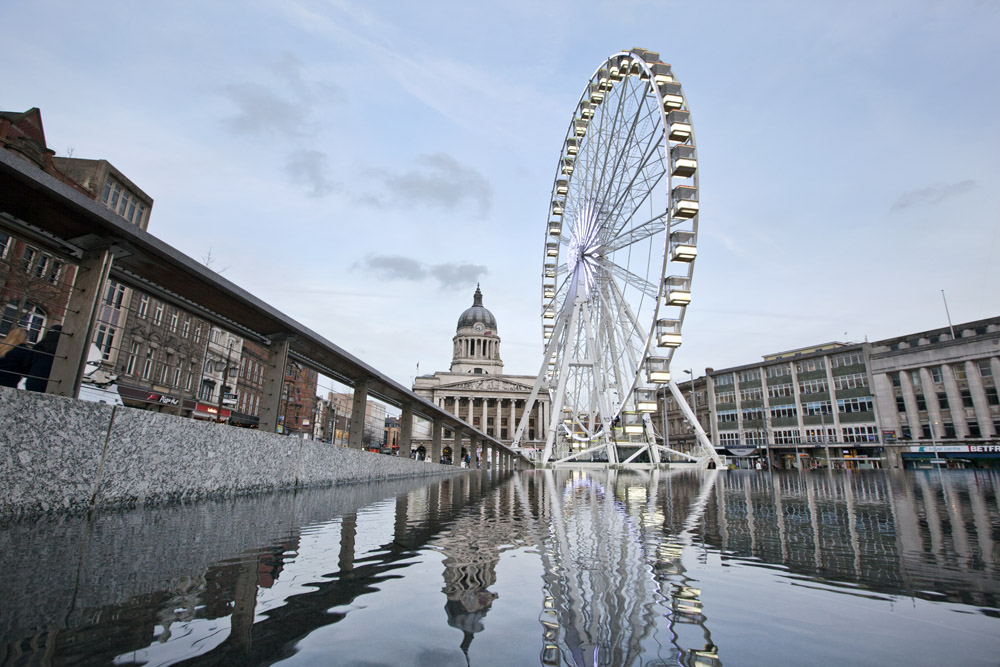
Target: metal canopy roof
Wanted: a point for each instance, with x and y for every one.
(51, 214)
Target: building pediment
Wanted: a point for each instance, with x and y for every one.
(485, 384)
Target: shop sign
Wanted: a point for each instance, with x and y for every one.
(888, 436)
(940, 448)
(741, 451)
(212, 410)
(985, 449)
(162, 399)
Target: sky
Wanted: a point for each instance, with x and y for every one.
(361, 166)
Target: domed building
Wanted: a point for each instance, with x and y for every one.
(476, 389)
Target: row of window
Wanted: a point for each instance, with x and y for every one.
(123, 202)
(942, 398)
(852, 434)
(937, 374)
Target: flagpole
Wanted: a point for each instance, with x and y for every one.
(948, 314)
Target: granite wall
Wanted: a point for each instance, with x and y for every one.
(61, 454)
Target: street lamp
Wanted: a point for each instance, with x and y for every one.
(937, 456)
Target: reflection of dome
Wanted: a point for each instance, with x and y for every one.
(477, 314)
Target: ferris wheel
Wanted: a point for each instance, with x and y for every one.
(619, 254)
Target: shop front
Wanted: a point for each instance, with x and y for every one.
(147, 399)
(207, 412)
(979, 455)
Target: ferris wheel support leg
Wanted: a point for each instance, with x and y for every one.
(539, 381)
(561, 389)
(706, 444)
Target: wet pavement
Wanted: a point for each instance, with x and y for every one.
(540, 567)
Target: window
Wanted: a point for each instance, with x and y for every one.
(727, 416)
(778, 390)
(751, 394)
(862, 404)
(959, 371)
(729, 439)
(197, 333)
(810, 365)
(27, 258)
(778, 371)
(114, 293)
(935, 373)
(966, 398)
(818, 408)
(4, 244)
(143, 306)
(852, 381)
(991, 396)
(753, 414)
(915, 378)
(122, 202)
(133, 352)
(847, 359)
(897, 380)
(812, 386)
(921, 402)
(186, 327)
(787, 437)
(783, 412)
(723, 380)
(158, 314)
(173, 321)
(900, 404)
(750, 375)
(55, 270)
(104, 340)
(726, 397)
(860, 434)
(943, 400)
(147, 366)
(821, 435)
(984, 368)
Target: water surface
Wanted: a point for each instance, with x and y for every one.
(541, 567)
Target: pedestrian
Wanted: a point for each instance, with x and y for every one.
(15, 357)
(41, 362)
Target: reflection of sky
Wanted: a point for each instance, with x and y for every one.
(606, 569)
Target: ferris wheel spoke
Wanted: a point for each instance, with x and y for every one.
(649, 183)
(648, 288)
(640, 232)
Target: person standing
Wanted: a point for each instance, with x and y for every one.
(15, 357)
(41, 362)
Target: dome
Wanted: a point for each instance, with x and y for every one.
(478, 314)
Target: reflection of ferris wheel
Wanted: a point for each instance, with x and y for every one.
(620, 247)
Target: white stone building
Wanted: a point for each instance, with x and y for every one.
(476, 389)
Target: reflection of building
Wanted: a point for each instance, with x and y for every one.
(476, 389)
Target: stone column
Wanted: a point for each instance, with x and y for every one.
(979, 399)
(434, 451)
(955, 405)
(456, 448)
(274, 377)
(933, 409)
(356, 439)
(70, 356)
(405, 430)
(910, 403)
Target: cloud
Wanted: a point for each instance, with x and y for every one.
(261, 111)
(438, 181)
(397, 267)
(311, 169)
(282, 106)
(932, 195)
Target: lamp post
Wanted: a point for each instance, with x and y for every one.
(222, 384)
(937, 455)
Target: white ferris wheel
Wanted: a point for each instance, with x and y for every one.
(619, 254)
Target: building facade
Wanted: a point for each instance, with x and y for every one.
(937, 394)
(476, 389)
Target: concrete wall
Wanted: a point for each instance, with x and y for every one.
(61, 454)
